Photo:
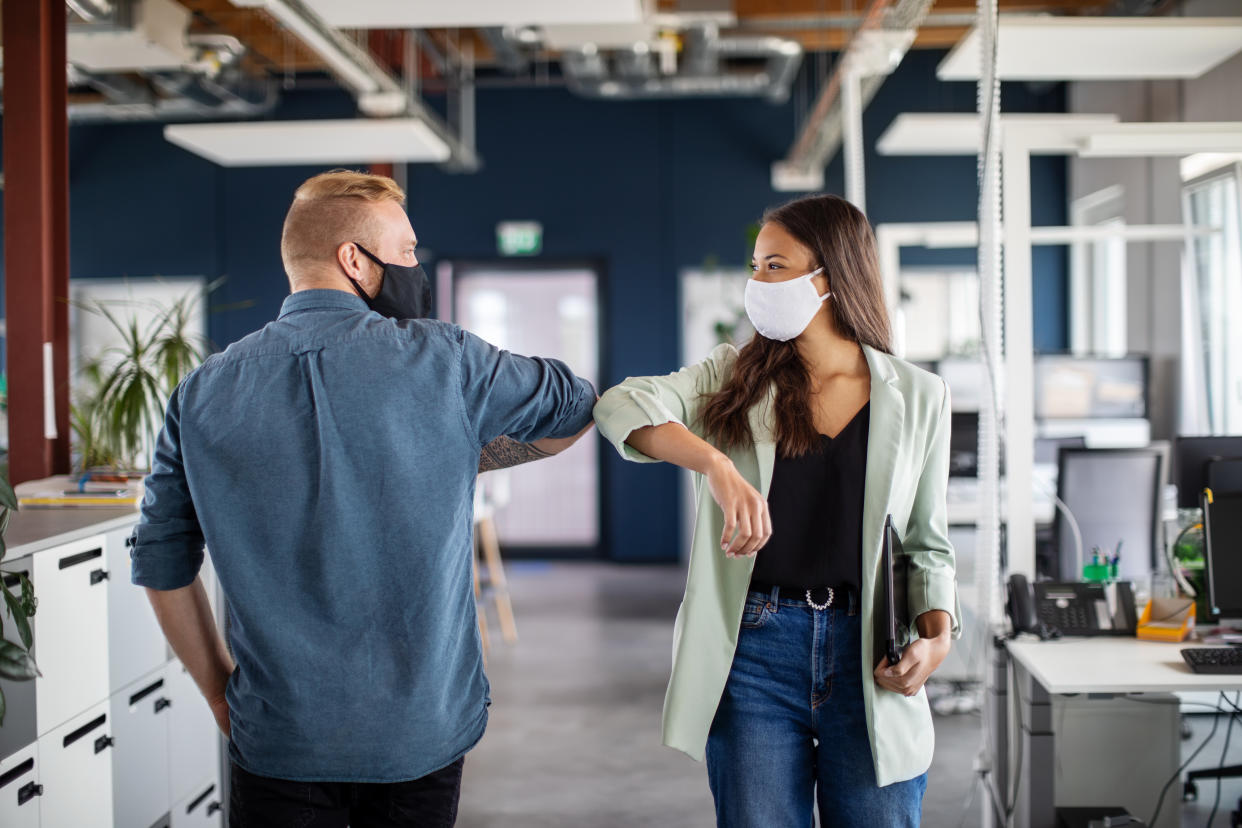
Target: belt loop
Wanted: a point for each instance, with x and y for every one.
(853, 603)
(775, 598)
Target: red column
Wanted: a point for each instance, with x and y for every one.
(36, 235)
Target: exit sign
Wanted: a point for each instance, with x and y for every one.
(519, 238)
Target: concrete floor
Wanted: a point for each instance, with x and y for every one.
(574, 732)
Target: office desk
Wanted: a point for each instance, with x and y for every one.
(1072, 666)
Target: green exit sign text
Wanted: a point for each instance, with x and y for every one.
(519, 238)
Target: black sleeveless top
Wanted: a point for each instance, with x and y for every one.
(816, 503)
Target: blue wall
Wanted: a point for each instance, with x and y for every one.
(647, 188)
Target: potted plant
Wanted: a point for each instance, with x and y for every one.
(16, 663)
(120, 400)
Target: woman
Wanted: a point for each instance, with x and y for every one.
(803, 442)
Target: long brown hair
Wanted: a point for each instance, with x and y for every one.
(840, 238)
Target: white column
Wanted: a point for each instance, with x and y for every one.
(1019, 357)
(852, 139)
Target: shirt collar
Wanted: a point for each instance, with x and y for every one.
(321, 298)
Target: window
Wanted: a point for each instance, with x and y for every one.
(1212, 295)
(1098, 278)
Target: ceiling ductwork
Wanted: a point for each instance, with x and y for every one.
(709, 67)
(378, 93)
(139, 56)
(886, 33)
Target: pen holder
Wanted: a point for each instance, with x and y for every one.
(1100, 573)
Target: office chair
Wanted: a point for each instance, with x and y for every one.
(1114, 495)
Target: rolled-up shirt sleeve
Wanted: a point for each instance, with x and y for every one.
(168, 540)
(524, 398)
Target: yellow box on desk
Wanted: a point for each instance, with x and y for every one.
(1167, 619)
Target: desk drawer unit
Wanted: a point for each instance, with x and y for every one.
(76, 761)
(140, 714)
(71, 630)
(135, 643)
(20, 791)
(19, 728)
(193, 738)
(204, 807)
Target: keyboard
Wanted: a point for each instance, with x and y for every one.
(1226, 660)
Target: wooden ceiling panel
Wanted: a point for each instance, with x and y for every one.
(271, 48)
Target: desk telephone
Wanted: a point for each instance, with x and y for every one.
(1075, 608)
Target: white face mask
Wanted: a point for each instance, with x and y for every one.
(782, 310)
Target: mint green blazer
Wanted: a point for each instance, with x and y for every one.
(907, 472)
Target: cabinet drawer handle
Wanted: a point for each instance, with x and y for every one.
(200, 799)
(99, 575)
(85, 729)
(146, 691)
(28, 792)
(16, 773)
(81, 557)
(162, 704)
(103, 743)
(212, 808)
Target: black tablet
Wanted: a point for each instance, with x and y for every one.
(893, 568)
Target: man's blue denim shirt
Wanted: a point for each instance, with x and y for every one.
(328, 461)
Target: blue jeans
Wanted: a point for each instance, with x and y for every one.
(791, 730)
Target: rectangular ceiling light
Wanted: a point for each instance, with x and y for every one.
(960, 133)
(1099, 48)
(412, 14)
(286, 143)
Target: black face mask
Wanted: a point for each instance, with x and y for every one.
(405, 292)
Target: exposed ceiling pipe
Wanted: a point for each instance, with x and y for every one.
(877, 46)
(704, 69)
(170, 109)
(378, 93)
(92, 11)
(504, 46)
(117, 88)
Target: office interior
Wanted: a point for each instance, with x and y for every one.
(585, 181)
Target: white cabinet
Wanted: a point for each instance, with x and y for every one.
(203, 807)
(140, 714)
(76, 760)
(19, 728)
(20, 791)
(71, 630)
(193, 737)
(135, 643)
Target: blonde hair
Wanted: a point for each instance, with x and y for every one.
(330, 209)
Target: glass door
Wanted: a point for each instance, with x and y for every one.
(548, 310)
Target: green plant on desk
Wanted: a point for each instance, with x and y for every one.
(16, 663)
(119, 404)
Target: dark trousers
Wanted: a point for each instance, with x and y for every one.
(261, 802)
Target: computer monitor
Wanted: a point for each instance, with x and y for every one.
(1114, 495)
(964, 444)
(1222, 534)
(1048, 448)
(1079, 388)
(1191, 456)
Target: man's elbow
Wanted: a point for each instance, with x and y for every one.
(555, 445)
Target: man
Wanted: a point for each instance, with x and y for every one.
(328, 461)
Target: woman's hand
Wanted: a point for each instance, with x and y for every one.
(747, 522)
(920, 658)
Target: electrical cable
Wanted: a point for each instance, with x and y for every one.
(1064, 509)
(1224, 753)
(1177, 774)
